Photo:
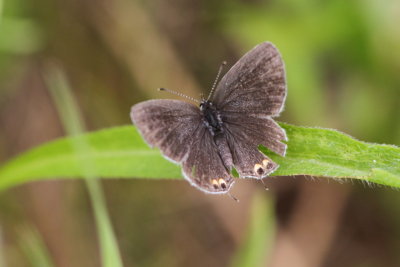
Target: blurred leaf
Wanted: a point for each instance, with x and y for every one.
(20, 36)
(121, 152)
(260, 234)
(2, 244)
(70, 117)
(34, 248)
(307, 33)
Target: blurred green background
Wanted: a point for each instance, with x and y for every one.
(342, 60)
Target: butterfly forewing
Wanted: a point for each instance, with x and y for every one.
(255, 84)
(168, 125)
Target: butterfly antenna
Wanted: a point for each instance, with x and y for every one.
(234, 198)
(216, 80)
(179, 94)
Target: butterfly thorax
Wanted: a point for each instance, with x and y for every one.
(211, 117)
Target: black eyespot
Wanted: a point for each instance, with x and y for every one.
(260, 171)
(215, 186)
(223, 185)
(270, 165)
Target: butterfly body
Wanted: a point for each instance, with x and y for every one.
(224, 132)
(211, 117)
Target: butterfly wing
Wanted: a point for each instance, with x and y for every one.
(177, 129)
(255, 84)
(168, 125)
(253, 91)
(244, 134)
(204, 167)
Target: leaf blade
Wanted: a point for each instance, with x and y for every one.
(121, 152)
(111, 150)
(330, 153)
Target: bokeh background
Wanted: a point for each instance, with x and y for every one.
(343, 63)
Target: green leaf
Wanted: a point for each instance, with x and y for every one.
(115, 152)
(121, 152)
(329, 153)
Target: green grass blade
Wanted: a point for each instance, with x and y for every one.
(109, 249)
(2, 246)
(121, 152)
(257, 246)
(34, 248)
(70, 117)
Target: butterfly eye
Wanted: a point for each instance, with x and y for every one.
(222, 183)
(215, 183)
(258, 168)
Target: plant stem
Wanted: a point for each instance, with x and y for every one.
(70, 116)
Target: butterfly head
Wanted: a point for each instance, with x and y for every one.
(206, 105)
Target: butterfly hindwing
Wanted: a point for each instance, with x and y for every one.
(258, 131)
(204, 167)
(244, 135)
(177, 129)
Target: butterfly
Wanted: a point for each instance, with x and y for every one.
(224, 132)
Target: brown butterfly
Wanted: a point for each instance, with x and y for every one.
(224, 132)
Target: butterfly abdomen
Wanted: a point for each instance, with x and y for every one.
(213, 122)
(224, 151)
